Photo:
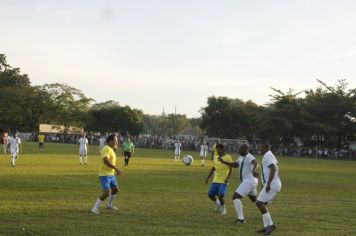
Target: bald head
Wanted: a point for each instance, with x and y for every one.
(243, 149)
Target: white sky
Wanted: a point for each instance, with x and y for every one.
(164, 53)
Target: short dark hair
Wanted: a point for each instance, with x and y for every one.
(110, 137)
(220, 146)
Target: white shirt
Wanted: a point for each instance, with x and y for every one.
(101, 142)
(203, 150)
(270, 159)
(177, 147)
(246, 166)
(83, 143)
(14, 144)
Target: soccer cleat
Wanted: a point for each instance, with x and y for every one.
(112, 208)
(270, 229)
(239, 221)
(261, 231)
(95, 211)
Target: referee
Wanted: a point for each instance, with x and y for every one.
(127, 150)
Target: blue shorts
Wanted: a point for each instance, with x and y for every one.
(217, 189)
(108, 182)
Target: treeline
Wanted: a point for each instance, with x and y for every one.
(324, 116)
(23, 107)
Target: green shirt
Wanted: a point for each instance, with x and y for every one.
(128, 146)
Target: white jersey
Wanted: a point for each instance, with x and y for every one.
(204, 150)
(14, 144)
(101, 142)
(246, 166)
(270, 159)
(83, 142)
(177, 147)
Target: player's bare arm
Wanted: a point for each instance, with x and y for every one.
(109, 164)
(271, 176)
(210, 174)
(228, 175)
(254, 166)
(231, 164)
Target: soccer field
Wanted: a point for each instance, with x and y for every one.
(49, 193)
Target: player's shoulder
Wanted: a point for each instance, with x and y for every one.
(227, 157)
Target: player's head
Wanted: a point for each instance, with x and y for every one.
(15, 133)
(128, 139)
(112, 141)
(243, 149)
(218, 140)
(264, 146)
(220, 149)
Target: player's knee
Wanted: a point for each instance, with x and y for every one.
(236, 196)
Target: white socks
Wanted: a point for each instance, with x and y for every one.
(238, 208)
(111, 199)
(267, 219)
(85, 159)
(97, 204)
(13, 161)
(80, 159)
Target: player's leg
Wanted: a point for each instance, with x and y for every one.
(212, 193)
(202, 160)
(128, 154)
(114, 191)
(243, 189)
(263, 198)
(13, 159)
(105, 185)
(221, 195)
(85, 157)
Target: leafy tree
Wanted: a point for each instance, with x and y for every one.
(71, 105)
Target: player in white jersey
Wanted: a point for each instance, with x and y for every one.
(83, 149)
(15, 148)
(101, 143)
(271, 186)
(203, 152)
(248, 177)
(177, 149)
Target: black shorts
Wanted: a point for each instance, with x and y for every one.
(127, 154)
(40, 144)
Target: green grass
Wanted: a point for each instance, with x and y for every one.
(48, 193)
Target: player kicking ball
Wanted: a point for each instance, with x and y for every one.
(248, 177)
(221, 178)
(271, 186)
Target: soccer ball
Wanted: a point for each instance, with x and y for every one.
(187, 160)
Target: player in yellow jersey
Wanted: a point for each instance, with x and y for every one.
(221, 179)
(107, 172)
(41, 139)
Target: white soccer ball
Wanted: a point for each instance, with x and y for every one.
(188, 160)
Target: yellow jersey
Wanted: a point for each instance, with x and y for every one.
(108, 152)
(221, 170)
(41, 138)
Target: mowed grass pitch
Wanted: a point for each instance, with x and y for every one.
(48, 193)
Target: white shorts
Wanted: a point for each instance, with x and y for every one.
(267, 197)
(82, 152)
(248, 187)
(176, 153)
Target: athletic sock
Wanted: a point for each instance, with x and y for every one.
(238, 208)
(267, 219)
(85, 159)
(111, 199)
(217, 202)
(97, 204)
(80, 159)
